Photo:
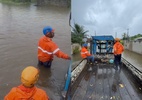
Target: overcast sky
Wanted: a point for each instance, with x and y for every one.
(108, 17)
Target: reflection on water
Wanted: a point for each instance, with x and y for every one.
(116, 81)
(134, 58)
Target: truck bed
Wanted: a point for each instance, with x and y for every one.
(105, 83)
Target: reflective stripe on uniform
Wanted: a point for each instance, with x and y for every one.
(50, 53)
(55, 50)
(84, 52)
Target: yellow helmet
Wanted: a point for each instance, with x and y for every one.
(117, 39)
(29, 76)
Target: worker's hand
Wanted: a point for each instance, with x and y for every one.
(69, 58)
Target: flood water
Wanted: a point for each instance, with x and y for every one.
(20, 29)
(76, 57)
(134, 58)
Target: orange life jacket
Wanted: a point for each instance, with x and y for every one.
(47, 48)
(84, 52)
(23, 93)
(118, 48)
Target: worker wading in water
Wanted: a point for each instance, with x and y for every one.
(47, 48)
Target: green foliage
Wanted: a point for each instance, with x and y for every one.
(36, 1)
(76, 50)
(76, 38)
(135, 36)
(78, 29)
(77, 34)
(121, 41)
(124, 36)
(16, 0)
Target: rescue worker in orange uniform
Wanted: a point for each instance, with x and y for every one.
(118, 49)
(85, 54)
(27, 90)
(47, 48)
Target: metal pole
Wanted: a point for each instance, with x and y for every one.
(115, 34)
(128, 34)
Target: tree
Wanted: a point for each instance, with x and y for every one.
(77, 33)
(77, 29)
(124, 36)
(135, 36)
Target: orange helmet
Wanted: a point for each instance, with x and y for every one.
(29, 76)
(117, 39)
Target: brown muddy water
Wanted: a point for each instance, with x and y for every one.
(134, 58)
(20, 28)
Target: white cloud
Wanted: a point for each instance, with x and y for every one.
(108, 16)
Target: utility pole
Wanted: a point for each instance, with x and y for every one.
(128, 34)
(95, 33)
(115, 34)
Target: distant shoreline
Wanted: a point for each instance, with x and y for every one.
(59, 3)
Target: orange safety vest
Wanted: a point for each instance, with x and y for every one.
(47, 48)
(118, 48)
(84, 53)
(23, 93)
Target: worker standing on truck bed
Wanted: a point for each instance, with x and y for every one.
(118, 50)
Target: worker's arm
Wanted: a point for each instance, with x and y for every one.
(56, 51)
(87, 53)
(60, 54)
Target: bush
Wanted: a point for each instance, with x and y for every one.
(76, 50)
